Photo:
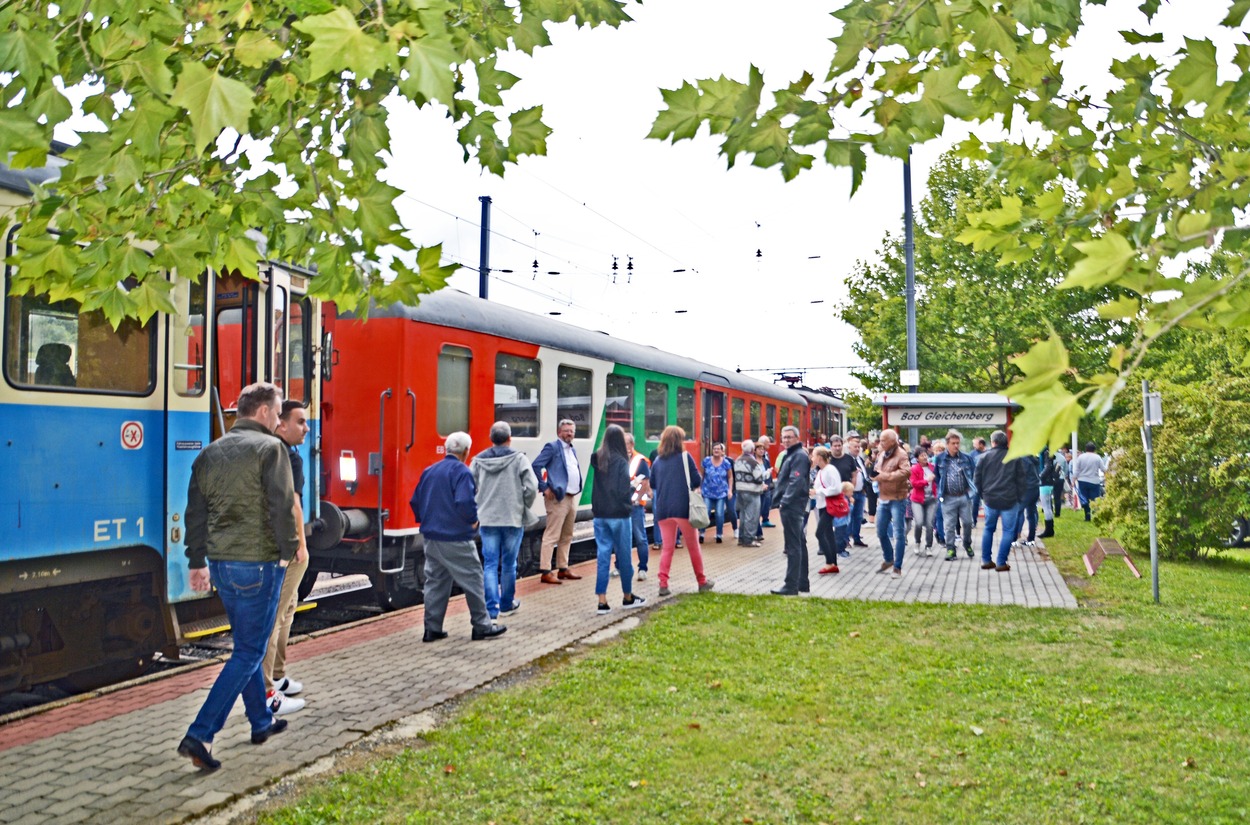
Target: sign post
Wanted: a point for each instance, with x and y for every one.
(1152, 415)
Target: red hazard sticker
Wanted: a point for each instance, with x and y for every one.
(132, 435)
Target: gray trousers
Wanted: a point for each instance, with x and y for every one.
(957, 517)
(448, 562)
(748, 517)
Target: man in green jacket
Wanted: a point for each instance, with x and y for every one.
(242, 532)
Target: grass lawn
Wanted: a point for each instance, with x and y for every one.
(736, 709)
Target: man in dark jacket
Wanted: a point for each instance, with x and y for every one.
(445, 505)
(955, 491)
(793, 484)
(1002, 486)
(242, 532)
(560, 480)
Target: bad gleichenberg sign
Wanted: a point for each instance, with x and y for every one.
(946, 417)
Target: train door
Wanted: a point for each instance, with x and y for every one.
(189, 406)
(713, 419)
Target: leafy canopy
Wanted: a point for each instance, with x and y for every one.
(1123, 184)
(223, 116)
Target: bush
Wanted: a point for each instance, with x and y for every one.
(1202, 469)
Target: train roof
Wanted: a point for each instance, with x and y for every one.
(453, 308)
(821, 398)
(20, 180)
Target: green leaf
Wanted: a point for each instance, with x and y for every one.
(1042, 365)
(375, 211)
(256, 48)
(27, 52)
(491, 81)
(529, 133)
(339, 44)
(1194, 78)
(1050, 203)
(152, 68)
(242, 255)
(429, 69)
(213, 102)
(1105, 260)
(1049, 418)
(1236, 14)
(682, 118)
(848, 153)
(1137, 38)
(1193, 223)
(1120, 308)
(18, 133)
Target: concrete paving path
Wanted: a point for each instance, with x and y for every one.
(111, 758)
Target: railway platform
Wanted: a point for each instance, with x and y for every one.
(111, 758)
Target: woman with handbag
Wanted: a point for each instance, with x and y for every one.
(827, 483)
(612, 508)
(677, 503)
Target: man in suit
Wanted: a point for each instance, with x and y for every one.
(560, 481)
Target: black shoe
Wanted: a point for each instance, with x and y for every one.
(434, 635)
(784, 592)
(489, 633)
(859, 544)
(260, 738)
(194, 750)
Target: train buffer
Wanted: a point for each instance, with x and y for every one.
(1107, 547)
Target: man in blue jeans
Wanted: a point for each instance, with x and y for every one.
(242, 532)
(506, 488)
(892, 474)
(1002, 485)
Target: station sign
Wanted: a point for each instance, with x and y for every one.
(946, 416)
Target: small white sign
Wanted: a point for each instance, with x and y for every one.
(909, 378)
(1154, 409)
(132, 435)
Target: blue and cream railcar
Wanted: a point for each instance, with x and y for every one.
(98, 431)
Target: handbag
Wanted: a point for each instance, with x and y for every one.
(699, 519)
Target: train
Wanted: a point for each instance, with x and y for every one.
(99, 429)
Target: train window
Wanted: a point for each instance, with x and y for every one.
(299, 350)
(279, 332)
(454, 365)
(785, 417)
(187, 338)
(656, 416)
(517, 388)
(818, 421)
(735, 421)
(53, 346)
(619, 406)
(685, 410)
(573, 398)
(755, 420)
(797, 418)
(770, 421)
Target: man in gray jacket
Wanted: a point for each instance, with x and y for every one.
(242, 532)
(506, 487)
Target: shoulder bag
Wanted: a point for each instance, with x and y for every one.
(698, 507)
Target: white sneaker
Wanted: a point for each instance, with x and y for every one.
(642, 575)
(613, 573)
(280, 704)
(288, 686)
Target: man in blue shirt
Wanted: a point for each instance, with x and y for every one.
(560, 481)
(446, 507)
(955, 491)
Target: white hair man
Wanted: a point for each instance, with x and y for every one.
(446, 508)
(749, 484)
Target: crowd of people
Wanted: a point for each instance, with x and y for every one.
(246, 532)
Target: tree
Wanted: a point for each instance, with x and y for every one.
(1124, 184)
(221, 119)
(1202, 468)
(974, 315)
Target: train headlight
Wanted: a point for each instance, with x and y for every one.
(347, 470)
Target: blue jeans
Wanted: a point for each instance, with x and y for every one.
(614, 535)
(716, 509)
(1028, 515)
(766, 505)
(500, 546)
(249, 592)
(638, 518)
(857, 515)
(939, 525)
(892, 518)
(1011, 524)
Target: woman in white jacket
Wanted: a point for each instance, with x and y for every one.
(827, 483)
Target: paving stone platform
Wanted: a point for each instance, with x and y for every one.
(111, 758)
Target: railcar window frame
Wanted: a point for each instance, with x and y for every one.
(626, 411)
(757, 410)
(770, 421)
(523, 363)
(563, 410)
(737, 412)
(192, 371)
(443, 409)
(18, 345)
(655, 407)
(685, 407)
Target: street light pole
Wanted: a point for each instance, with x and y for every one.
(909, 251)
(483, 266)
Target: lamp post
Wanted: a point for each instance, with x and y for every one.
(909, 251)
